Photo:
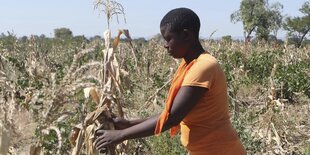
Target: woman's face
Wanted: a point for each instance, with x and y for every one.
(176, 43)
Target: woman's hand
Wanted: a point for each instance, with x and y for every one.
(105, 138)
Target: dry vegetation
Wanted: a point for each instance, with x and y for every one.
(52, 86)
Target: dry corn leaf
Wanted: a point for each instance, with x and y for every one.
(89, 119)
(126, 33)
(109, 55)
(107, 88)
(95, 95)
(116, 70)
(74, 135)
(107, 37)
(88, 140)
(79, 141)
(91, 91)
(98, 112)
(116, 39)
(87, 92)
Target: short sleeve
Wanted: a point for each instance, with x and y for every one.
(201, 74)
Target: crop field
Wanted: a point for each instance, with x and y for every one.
(49, 87)
(55, 92)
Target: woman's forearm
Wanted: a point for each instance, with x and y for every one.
(136, 121)
(145, 128)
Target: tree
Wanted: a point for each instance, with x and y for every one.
(299, 27)
(63, 33)
(227, 38)
(257, 16)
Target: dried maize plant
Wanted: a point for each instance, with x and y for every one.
(105, 98)
(48, 102)
(110, 8)
(45, 96)
(8, 78)
(7, 105)
(8, 95)
(270, 128)
(104, 94)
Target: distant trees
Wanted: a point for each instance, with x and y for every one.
(259, 17)
(63, 33)
(299, 27)
(227, 38)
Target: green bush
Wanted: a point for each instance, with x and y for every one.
(259, 66)
(163, 144)
(294, 78)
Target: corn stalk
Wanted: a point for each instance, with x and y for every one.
(103, 95)
(105, 98)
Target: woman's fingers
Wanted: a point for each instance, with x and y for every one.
(99, 132)
(104, 138)
(102, 145)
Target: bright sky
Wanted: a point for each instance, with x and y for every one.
(26, 17)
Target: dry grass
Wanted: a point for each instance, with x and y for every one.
(131, 81)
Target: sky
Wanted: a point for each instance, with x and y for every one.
(36, 17)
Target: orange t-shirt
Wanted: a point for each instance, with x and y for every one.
(207, 128)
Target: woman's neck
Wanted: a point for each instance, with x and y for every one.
(194, 53)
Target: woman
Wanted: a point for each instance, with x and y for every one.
(197, 99)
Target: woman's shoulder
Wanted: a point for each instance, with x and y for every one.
(206, 60)
(206, 57)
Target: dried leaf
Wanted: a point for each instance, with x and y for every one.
(88, 141)
(109, 54)
(116, 39)
(107, 88)
(116, 70)
(95, 95)
(74, 135)
(87, 92)
(107, 37)
(79, 141)
(98, 112)
(91, 91)
(126, 33)
(89, 118)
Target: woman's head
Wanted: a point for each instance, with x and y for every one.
(180, 28)
(180, 19)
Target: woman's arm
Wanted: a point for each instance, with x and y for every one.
(185, 100)
(121, 123)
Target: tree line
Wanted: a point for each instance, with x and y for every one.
(259, 19)
(265, 20)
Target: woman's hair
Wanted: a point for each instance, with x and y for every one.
(181, 18)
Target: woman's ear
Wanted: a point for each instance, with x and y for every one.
(188, 34)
